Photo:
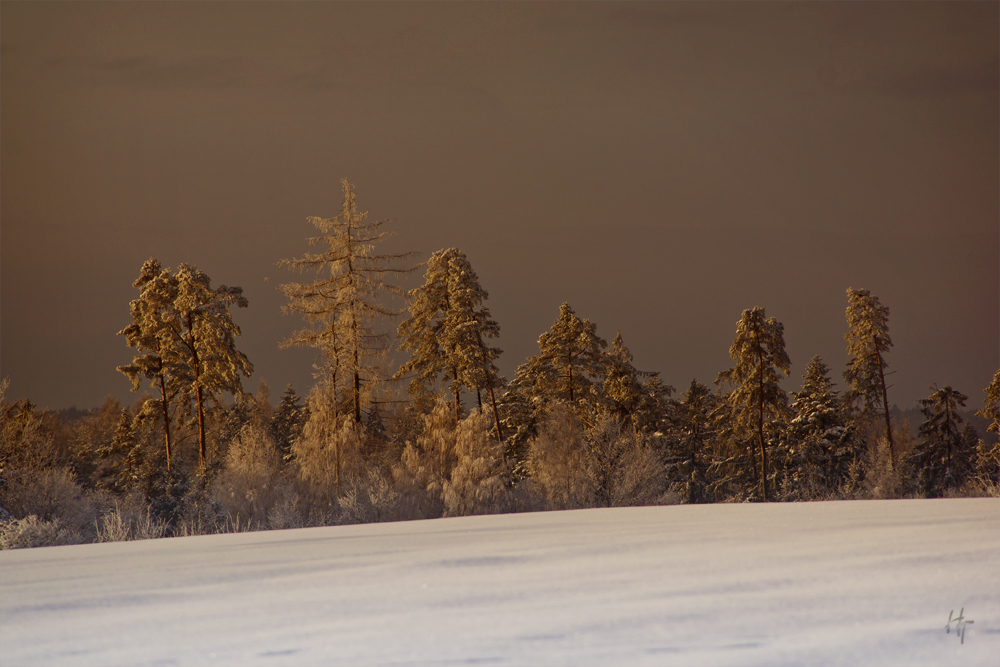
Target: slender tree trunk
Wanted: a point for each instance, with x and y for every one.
(201, 422)
(457, 391)
(196, 365)
(760, 423)
(166, 416)
(947, 415)
(885, 405)
(336, 456)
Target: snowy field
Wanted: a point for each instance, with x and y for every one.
(839, 583)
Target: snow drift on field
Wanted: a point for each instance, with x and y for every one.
(848, 583)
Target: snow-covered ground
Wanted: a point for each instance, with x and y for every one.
(838, 583)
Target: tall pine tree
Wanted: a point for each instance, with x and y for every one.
(868, 342)
(756, 398)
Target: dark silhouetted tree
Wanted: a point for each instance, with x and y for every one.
(944, 458)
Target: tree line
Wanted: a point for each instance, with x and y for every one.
(577, 426)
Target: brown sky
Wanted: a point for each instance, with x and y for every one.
(661, 167)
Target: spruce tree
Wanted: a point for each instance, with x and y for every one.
(688, 455)
(819, 444)
(756, 398)
(347, 299)
(288, 420)
(868, 342)
(944, 458)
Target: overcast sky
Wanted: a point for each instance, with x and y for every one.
(661, 167)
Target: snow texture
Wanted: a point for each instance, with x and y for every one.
(832, 583)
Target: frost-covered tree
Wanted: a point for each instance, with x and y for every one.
(868, 342)
(991, 404)
(944, 458)
(756, 397)
(477, 484)
(557, 461)
(624, 468)
(329, 449)
(206, 334)
(818, 448)
(187, 337)
(630, 394)
(447, 332)
(153, 333)
(289, 418)
(570, 360)
(426, 464)
(347, 299)
(688, 457)
(121, 459)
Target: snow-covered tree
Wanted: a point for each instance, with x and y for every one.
(557, 461)
(944, 458)
(289, 418)
(868, 342)
(188, 341)
(624, 468)
(347, 299)
(329, 449)
(991, 404)
(818, 447)
(447, 331)
(639, 397)
(688, 456)
(206, 334)
(153, 334)
(477, 484)
(570, 360)
(756, 397)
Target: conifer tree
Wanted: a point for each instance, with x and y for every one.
(991, 404)
(638, 396)
(868, 342)
(570, 360)
(447, 330)
(207, 334)
(756, 398)
(818, 444)
(944, 458)
(152, 333)
(345, 302)
(688, 456)
(289, 418)
(187, 336)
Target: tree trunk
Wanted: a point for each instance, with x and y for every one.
(885, 405)
(166, 416)
(570, 371)
(457, 391)
(201, 423)
(760, 424)
(196, 365)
